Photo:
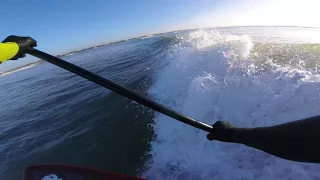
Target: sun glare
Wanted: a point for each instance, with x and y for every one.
(253, 13)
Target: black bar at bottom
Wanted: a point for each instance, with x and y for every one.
(118, 89)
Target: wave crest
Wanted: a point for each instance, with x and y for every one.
(212, 76)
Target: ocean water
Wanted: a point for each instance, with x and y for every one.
(249, 76)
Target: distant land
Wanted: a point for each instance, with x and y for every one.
(26, 66)
(115, 42)
(21, 68)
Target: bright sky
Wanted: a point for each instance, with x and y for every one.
(60, 26)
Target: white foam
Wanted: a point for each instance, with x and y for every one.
(212, 76)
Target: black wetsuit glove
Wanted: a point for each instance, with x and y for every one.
(297, 140)
(23, 43)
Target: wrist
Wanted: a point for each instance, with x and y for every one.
(240, 135)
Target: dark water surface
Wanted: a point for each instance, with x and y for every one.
(49, 115)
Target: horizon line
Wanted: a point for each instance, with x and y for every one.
(169, 31)
(137, 37)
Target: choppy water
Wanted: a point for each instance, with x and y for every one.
(250, 76)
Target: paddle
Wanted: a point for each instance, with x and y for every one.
(118, 89)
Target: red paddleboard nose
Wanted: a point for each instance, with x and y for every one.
(65, 172)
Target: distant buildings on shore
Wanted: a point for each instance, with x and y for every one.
(21, 68)
(70, 53)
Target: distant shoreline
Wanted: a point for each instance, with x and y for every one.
(21, 67)
(76, 51)
(115, 42)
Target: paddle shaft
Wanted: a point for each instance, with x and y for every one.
(118, 89)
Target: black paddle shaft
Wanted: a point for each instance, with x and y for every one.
(118, 89)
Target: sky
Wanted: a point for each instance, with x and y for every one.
(61, 26)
